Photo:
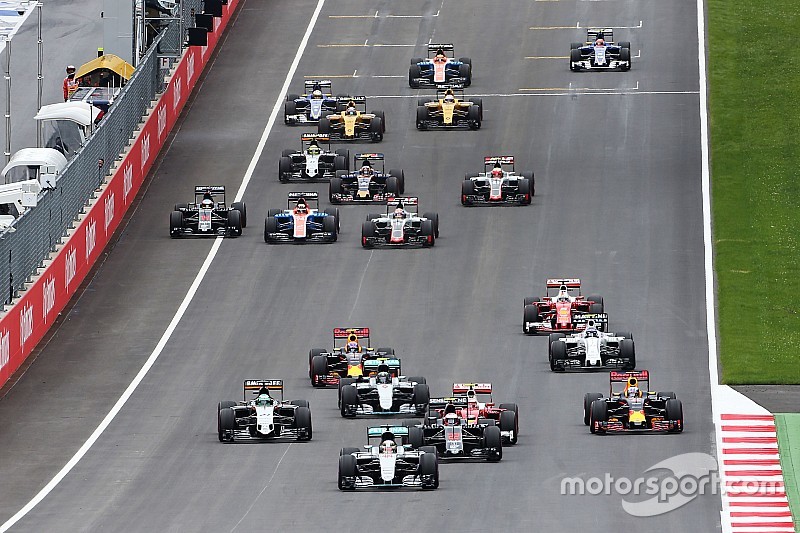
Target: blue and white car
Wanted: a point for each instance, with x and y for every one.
(302, 221)
(600, 52)
(316, 102)
(441, 68)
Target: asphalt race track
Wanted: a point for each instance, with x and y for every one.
(618, 204)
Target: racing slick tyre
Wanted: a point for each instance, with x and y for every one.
(291, 97)
(624, 334)
(467, 190)
(524, 190)
(242, 208)
(339, 163)
(270, 226)
(376, 130)
(596, 309)
(674, 409)
(334, 212)
(553, 337)
(273, 212)
(625, 55)
(178, 207)
(466, 60)
(330, 225)
(421, 398)
(429, 466)
(385, 351)
(416, 60)
(319, 367)
(478, 102)
(530, 314)
(474, 117)
(414, 74)
(598, 413)
(573, 46)
(342, 383)
(558, 352)
(487, 422)
(423, 101)
(588, 398)
(435, 218)
(235, 223)
(382, 116)
(530, 300)
(349, 400)
(288, 152)
(347, 450)
(418, 379)
(392, 186)
(226, 421)
(344, 152)
(465, 73)
(574, 59)
(373, 216)
(492, 439)
(426, 229)
(175, 224)
(416, 437)
(596, 299)
(300, 403)
(669, 395)
(401, 179)
(422, 116)
(347, 469)
(312, 353)
(627, 350)
(367, 231)
(324, 125)
(335, 187)
(289, 108)
(302, 422)
(509, 422)
(624, 44)
(225, 404)
(530, 177)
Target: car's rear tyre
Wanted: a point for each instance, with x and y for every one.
(509, 421)
(426, 229)
(667, 394)
(226, 421)
(302, 422)
(532, 179)
(674, 409)
(334, 188)
(376, 129)
(349, 399)
(627, 351)
(474, 117)
(373, 216)
(401, 179)
(234, 223)
(553, 337)
(465, 73)
(329, 225)
(423, 100)
(624, 44)
(289, 108)
(530, 300)
(348, 450)
(178, 207)
(467, 190)
(343, 382)
(588, 398)
(414, 74)
(270, 226)
(348, 468)
(596, 299)
(312, 353)
(367, 232)
(417, 379)
(392, 186)
(344, 152)
(493, 439)
(573, 46)
(429, 466)
(625, 55)
(339, 163)
(334, 212)
(417, 60)
(558, 352)
(599, 413)
(416, 437)
(242, 208)
(422, 397)
(385, 351)
(435, 218)
(175, 224)
(319, 367)
(530, 314)
(525, 191)
(624, 334)
(478, 102)
(574, 59)
(422, 117)
(596, 309)
(382, 116)
(324, 125)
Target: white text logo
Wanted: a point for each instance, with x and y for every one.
(145, 149)
(48, 297)
(127, 180)
(5, 348)
(70, 267)
(162, 120)
(25, 324)
(109, 211)
(91, 238)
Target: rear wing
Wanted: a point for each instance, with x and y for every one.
(591, 319)
(369, 157)
(441, 403)
(571, 283)
(320, 138)
(404, 202)
(478, 388)
(592, 34)
(311, 85)
(378, 432)
(371, 366)
(345, 334)
(457, 91)
(444, 47)
(491, 161)
(311, 198)
(255, 385)
(200, 190)
(359, 101)
(630, 378)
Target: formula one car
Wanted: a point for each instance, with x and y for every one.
(449, 110)
(439, 68)
(389, 464)
(592, 348)
(302, 222)
(367, 184)
(383, 393)
(314, 104)
(263, 417)
(400, 226)
(312, 162)
(629, 407)
(498, 184)
(206, 216)
(600, 52)
(352, 122)
(351, 349)
(563, 310)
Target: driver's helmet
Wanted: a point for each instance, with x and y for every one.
(264, 400)
(562, 297)
(301, 207)
(366, 171)
(399, 213)
(388, 446)
(353, 347)
(497, 172)
(313, 148)
(591, 331)
(449, 97)
(207, 202)
(317, 94)
(440, 56)
(351, 108)
(633, 392)
(600, 42)
(450, 419)
(383, 378)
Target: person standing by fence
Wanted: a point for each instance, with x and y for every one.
(70, 84)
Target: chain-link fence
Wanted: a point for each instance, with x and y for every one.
(32, 237)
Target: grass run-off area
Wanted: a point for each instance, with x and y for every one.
(754, 84)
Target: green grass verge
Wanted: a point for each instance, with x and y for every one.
(788, 428)
(754, 77)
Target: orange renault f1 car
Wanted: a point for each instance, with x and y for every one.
(351, 348)
(352, 122)
(630, 406)
(450, 109)
(563, 309)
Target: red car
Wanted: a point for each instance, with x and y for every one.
(562, 310)
(472, 402)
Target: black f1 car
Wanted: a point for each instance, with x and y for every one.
(630, 406)
(383, 392)
(302, 222)
(498, 184)
(388, 461)
(351, 350)
(315, 103)
(207, 216)
(367, 184)
(600, 52)
(400, 226)
(439, 68)
(260, 416)
(314, 161)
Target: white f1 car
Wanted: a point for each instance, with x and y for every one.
(263, 417)
(592, 348)
(383, 393)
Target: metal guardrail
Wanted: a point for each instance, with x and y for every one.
(32, 237)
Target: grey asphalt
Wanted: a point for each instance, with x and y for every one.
(617, 204)
(71, 33)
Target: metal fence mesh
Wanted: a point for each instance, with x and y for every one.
(32, 237)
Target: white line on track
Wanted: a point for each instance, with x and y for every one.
(263, 489)
(578, 26)
(53, 483)
(360, 283)
(557, 91)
